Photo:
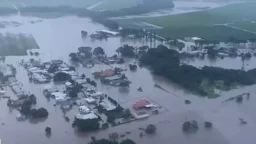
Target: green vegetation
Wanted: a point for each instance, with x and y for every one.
(246, 25)
(211, 24)
(217, 33)
(17, 45)
(117, 4)
(87, 125)
(166, 62)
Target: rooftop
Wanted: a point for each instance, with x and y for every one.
(90, 115)
(107, 105)
(109, 32)
(141, 104)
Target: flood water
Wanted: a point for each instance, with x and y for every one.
(61, 36)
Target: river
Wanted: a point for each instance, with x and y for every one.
(61, 36)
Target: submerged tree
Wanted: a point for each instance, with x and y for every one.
(150, 129)
(98, 51)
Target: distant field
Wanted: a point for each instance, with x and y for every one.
(74, 3)
(117, 4)
(219, 33)
(16, 44)
(250, 26)
(208, 24)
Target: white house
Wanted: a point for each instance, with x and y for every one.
(59, 97)
(107, 105)
(84, 110)
(90, 115)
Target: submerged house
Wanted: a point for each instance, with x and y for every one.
(108, 33)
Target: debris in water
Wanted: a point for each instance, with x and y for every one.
(140, 89)
(158, 86)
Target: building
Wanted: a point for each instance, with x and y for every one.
(90, 100)
(66, 105)
(112, 78)
(50, 89)
(107, 73)
(141, 104)
(84, 110)
(96, 94)
(59, 97)
(57, 62)
(107, 32)
(107, 105)
(90, 115)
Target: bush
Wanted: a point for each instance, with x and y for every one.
(150, 129)
(61, 77)
(189, 126)
(25, 109)
(42, 113)
(110, 119)
(48, 130)
(207, 124)
(32, 98)
(187, 102)
(127, 141)
(239, 99)
(87, 125)
(105, 126)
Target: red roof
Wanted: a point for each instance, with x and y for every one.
(107, 73)
(140, 104)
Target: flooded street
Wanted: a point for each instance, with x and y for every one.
(59, 37)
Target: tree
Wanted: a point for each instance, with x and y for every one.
(189, 126)
(105, 126)
(33, 113)
(72, 68)
(85, 51)
(103, 141)
(73, 94)
(83, 76)
(132, 67)
(127, 141)
(126, 51)
(32, 98)
(53, 68)
(150, 129)
(126, 114)
(98, 51)
(74, 57)
(42, 113)
(239, 99)
(93, 138)
(113, 136)
(93, 83)
(25, 109)
(110, 118)
(87, 125)
(48, 130)
(61, 76)
(207, 124)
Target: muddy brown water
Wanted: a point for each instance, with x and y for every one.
(59, 37)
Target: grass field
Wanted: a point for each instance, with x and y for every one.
(117, 4)
(250, 26)
(219, 33)
(74, 3)
(209, 24)
(16, 44)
